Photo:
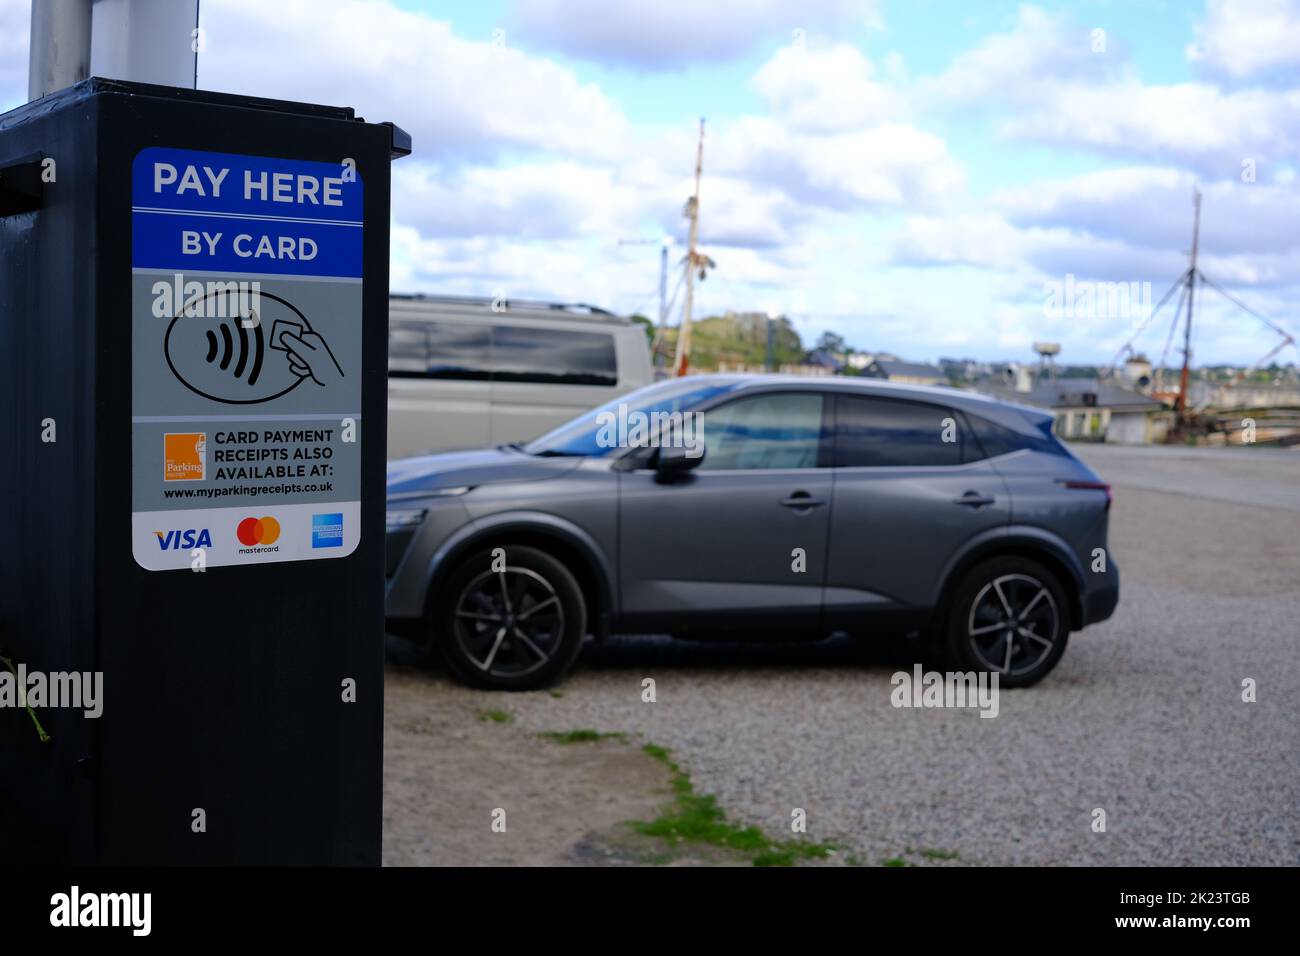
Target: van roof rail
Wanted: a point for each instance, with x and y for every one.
(499, 304)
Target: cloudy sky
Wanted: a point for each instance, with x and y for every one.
(913, 174)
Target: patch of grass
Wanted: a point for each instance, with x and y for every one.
(557, 694)
(896, 861)
(696, 818)
(497, 715)
(580, 736)
(939, 854)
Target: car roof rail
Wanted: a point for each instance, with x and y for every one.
(501, 304)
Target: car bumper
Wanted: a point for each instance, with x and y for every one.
(1101, 599)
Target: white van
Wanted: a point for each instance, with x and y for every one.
(469, 373)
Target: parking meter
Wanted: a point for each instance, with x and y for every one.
(193, 313)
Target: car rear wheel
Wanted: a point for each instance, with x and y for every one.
(513, 618)
(1008, 616)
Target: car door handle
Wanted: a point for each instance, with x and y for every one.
(801, 499)
(974, 499)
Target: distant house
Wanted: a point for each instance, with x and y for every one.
(859, 360)
(825, 359)
(1086, 409)
(909, 373)
(964, 368)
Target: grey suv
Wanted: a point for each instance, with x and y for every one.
(811, 506)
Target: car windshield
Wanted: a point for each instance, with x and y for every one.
(582, 437)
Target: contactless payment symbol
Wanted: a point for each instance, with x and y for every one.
(215, 353)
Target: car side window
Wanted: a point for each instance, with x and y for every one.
(888, 432)
(768, 431)
(992, 440)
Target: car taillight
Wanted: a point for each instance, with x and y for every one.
(1090, 486)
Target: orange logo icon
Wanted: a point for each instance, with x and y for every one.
(185, 456)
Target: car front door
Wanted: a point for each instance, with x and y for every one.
(737, 545)
(910, 490)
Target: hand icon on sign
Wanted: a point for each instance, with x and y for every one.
(310, 357)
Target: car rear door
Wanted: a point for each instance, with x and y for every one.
(908, 494)
(739, 544)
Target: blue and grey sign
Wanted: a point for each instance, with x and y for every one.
(246, 356)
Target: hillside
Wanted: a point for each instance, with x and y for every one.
(739, 338)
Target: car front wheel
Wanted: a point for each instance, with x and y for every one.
(512, 618)
(1008, 616)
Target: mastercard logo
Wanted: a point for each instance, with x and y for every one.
(251, 531)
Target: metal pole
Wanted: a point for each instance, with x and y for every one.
(663, 284)
(60, 46)
(1181, 405)
(693, 211)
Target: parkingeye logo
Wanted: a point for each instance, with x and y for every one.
(176, 539)
(185, 456)
(327, 530)
(258, 534)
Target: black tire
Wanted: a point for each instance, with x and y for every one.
(978, 627)
(521, 637)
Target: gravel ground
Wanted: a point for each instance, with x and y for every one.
(1143, 718)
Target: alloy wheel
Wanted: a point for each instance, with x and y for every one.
(1014, 624)
(509, 623)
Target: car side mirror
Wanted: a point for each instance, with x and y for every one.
(674, 461)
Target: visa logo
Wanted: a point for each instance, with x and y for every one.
(190, 539)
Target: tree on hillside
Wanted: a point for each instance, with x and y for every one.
(832, 342)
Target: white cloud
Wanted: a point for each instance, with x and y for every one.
(891, 164)
(557, 199)
(1193, 123)
(984, 240)
(1048, 86)
(648, 34)
(1124, 225)
(456, 97)
(1151, 206)
(1248, 38)
(824, 89)
(1039, 51)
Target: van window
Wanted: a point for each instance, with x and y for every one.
(408, 351)
(558, 357)
(459, 351)
(438, 350)
(500, 353)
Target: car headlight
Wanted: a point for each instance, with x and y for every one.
(397, 519)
